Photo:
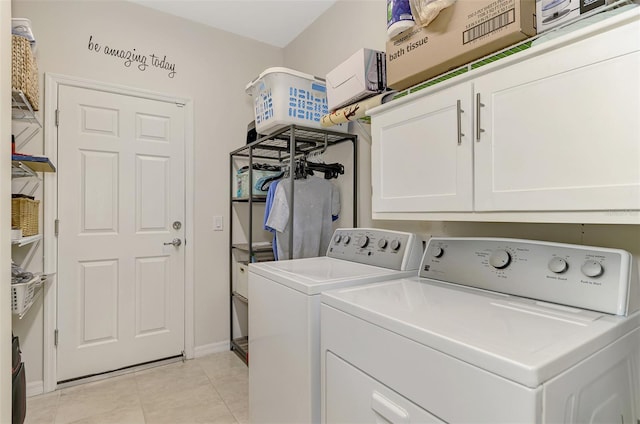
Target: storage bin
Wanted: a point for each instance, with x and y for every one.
(24, 70)
(242, 280)
(24, 215)
(243, 182)
(284, 97)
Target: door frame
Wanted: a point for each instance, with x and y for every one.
(50, 246)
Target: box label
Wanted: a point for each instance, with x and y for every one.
(410, 46)
(494, 24)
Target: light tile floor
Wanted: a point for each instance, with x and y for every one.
(211, 389)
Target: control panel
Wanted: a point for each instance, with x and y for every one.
(395, 250)
(595, 278)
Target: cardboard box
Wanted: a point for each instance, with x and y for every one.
(462, 33)
(362, 75)
(551, 13)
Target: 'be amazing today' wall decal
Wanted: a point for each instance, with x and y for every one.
(130, 57)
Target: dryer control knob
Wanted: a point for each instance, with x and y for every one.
(364, 241)
(382, 244)
(437, 252)
(337, 238)
(395, 245)
(558, 265)
(500, 259)
(347, 239)
(592, 268)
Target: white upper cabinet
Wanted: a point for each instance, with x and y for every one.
(562, 130)
(422, 154)
(551, 134)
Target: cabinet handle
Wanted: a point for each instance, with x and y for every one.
(479, 104)
(459, 114)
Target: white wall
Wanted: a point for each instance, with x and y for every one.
(343, 29)
(212, 68)
(353, 24)
(5, 223)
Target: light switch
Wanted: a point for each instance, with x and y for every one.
(217, 223)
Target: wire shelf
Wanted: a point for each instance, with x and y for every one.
(277, 146)
(21, 109)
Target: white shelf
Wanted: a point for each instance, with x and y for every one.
(21, 109)
(26, 240)
(20, 170)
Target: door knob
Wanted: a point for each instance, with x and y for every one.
(176, 242)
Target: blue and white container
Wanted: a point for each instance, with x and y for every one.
(283, 97)
(399, 17)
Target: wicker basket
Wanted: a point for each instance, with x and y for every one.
(24, 70)
(24, 215)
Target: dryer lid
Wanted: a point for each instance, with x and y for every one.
(520, 339)
(313, 275)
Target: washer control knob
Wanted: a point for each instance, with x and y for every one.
(347, 239)
(395, 245)
(592, 268)
(437, 252)
(382, 244)
(337, 238)
(558, 265)
(364, 241)
(500, 259)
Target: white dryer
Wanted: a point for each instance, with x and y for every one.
(284, 316)
(491, 331)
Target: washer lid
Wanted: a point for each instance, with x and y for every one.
(517, 338)
(313, 275)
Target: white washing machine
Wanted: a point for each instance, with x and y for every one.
(284, 316)
(491, 331)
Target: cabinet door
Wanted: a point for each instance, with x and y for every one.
(422, 154)
(562, 130)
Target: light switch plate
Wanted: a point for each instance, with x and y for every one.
(217, 223)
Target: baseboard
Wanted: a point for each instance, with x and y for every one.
(35, 388)
(199, 351)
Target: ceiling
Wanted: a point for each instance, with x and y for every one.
(275, 22)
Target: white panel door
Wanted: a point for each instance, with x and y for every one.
(120, 188)
(561, 130)
(421, 155)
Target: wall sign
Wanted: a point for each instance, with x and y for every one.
(132, 57)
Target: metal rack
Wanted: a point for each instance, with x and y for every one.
(284, 147)
(22, 113)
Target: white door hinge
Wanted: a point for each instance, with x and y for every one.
(56, 227)
(57, 117)
(55, 337)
